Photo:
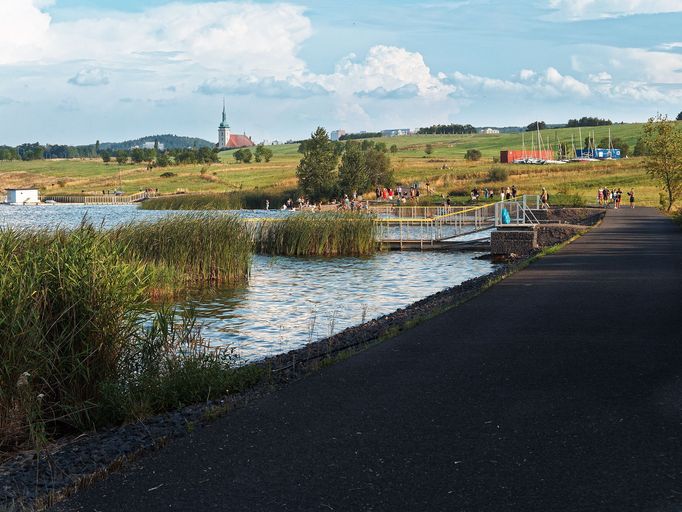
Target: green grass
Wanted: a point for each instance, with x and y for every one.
(445, 169)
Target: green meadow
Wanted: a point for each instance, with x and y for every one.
(444, 169)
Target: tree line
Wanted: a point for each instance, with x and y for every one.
(330, 169)
(37, 151)
(447, 129)
(588, 121)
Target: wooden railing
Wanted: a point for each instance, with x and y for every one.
(103, 199)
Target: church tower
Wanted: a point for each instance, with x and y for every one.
(223, 130)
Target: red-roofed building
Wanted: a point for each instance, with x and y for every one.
(229, 140)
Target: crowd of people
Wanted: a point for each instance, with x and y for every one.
(400, 194)
(614, 196)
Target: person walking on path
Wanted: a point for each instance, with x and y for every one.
(632, 198)
(544, 198)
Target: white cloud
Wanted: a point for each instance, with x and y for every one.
(670, 46)
(601, 77)
(386, 68)
(577, 10)
(563, 83)
(89, 77)
(264, 87)
(550, 83)
(235, 38)
(526, 74)
(23, 30)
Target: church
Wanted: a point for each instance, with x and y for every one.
(229, 140)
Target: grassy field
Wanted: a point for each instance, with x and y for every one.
(445, 169)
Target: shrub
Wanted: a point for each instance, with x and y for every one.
(472, 155)
(498, 174)
(168, 174)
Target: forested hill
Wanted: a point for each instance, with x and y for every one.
(168, 140)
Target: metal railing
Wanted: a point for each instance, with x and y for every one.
(517, 212)
(429, 225)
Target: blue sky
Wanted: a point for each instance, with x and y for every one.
(72, 71)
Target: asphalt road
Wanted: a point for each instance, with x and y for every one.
(558, 389)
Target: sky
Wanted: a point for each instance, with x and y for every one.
(73, 71)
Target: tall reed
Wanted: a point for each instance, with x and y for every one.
(69, 301)
(79, 345)
(213, 249)
(318, 234)
(235, 200)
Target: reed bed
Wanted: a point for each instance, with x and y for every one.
(236, 200)
(81, 345)
(318, 234)
(192, 249)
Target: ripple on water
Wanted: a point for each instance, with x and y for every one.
(291, 301)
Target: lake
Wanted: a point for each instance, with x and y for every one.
(288, 302)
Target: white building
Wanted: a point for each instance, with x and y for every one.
(23, 196)
(337, 134)
(395, 132)
(150, 145)
(488, 131)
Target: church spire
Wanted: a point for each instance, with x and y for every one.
(224, 124)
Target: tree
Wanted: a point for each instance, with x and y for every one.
(663, 140)
(137, 155)
(247, 155)
(121, 156)
(394, 149)
(535, 125)
(379, 169)
(679, 117)
(353, 174)
(366, 144)
(238, 155)
(97, 147)
(428, 149)
(262, 153)
(472, 155)
(316, 171)
(381, 146)
(106, 156)
(640, 148)
(162, 160)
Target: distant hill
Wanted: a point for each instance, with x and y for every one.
(168, 140)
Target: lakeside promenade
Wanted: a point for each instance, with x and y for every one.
(559, 388)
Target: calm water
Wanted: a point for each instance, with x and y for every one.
(104, 215)
(289, 301)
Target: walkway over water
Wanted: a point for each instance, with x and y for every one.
(558, 389)
(104, 199)
(437, 226)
